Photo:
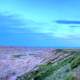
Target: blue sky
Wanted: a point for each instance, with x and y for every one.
(40, 23)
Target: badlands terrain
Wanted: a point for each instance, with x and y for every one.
(22, 63)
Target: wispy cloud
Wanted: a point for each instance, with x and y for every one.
(67, 29)
(9, 20)
(67, 22)
(13, 24)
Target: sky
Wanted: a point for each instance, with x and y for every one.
(40, 23)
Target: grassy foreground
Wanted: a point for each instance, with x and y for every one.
(60, 70)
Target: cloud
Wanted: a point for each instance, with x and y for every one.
(10, 21)
(14, 24)
(67, 29)
(73, 26)
(67, 22)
